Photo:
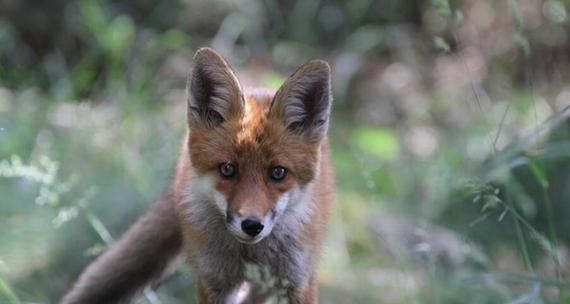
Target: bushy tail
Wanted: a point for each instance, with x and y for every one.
(137, 259)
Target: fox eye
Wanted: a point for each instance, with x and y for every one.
(227, 170)
(277, 173)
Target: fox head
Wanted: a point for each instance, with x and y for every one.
(255, 154)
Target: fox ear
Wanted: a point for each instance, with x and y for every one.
(303, 102)
(214, 93)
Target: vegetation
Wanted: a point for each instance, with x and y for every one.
(450, 137)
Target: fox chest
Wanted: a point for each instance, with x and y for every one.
(225, 264)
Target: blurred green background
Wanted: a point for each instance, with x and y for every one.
(453, 183)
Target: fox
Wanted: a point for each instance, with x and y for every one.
(253, 185)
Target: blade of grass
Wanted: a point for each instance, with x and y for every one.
(501, 123)
(524, 248)
(7, 290)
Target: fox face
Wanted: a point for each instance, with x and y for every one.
(254, 153)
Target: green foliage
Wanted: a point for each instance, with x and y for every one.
(442, 7)
(459, 17)
(441, 44)
(381, 143)
(518, 37)
(516, 15)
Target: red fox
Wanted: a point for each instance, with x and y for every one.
(254, 184)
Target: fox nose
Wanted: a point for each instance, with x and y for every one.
(252, 226)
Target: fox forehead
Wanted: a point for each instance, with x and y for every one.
(254, 141)
(252, 124)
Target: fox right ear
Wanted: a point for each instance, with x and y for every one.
(214, 93)
(303, 102)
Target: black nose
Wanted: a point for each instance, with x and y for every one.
(251, 226)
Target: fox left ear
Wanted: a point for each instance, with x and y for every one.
(214, 93)
(303, 102)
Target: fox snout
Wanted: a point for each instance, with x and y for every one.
(249, 229)
(252, 226)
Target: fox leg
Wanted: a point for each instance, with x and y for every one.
(207, 295)
(307, 295)
(203, 297)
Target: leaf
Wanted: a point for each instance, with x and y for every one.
(459, 18)
(120, 35)
(442, 7)
(538, 174)
(522, 42)
(441, 44)
(516, 15)
(94, 18)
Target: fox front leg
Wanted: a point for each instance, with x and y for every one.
(306, 295)
(211, 295)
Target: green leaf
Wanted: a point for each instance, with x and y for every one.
(442, 7)
(441, 44)
(459, 18)
(538, 174)
(522, 42)
(94, 18)
(516, 15)
(120, 36)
